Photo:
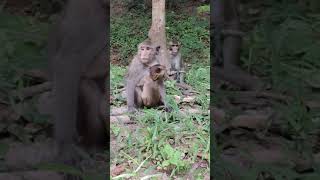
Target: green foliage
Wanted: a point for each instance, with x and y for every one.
(127, 32)
(163, 132)
(298, 118)
(203, 9)
(166, 138)
(171, 89)
(285, 51)
(22, 45)
(172, 157)
(117, 74)
(199, 77)
(193, 32)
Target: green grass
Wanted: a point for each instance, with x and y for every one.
(166, 137)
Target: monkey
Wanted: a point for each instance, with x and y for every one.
(78, 66)
(177, 66)
(148, 89)
(146, 57)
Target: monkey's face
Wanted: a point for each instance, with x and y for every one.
(174, 49)
(147, 53)
(157, 72)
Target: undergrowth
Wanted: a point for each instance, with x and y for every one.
(129, 30)
(22, 46)
(283, 49)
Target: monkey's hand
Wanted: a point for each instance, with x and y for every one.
(172, 72)
(168, 109)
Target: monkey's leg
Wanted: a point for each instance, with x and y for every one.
(138, 96)
(96, 134)
(150, 95)
(181, 75)
(173, 75)
(66, 90)
(178, 77)
(146, 99)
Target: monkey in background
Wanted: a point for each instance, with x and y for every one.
(177, 66)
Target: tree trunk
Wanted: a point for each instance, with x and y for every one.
(227, 39)
(157, 32)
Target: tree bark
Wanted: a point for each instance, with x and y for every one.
(227, 39)
(157, 32)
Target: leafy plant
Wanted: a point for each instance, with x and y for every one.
(172, 157)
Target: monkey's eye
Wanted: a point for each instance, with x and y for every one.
(170, 49)
(142, 48)
(175, 45)
(148, 48)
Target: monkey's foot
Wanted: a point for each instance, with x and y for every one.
(165, 108)
(73, 155)
(132, 110)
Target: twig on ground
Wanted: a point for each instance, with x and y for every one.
(32, 91)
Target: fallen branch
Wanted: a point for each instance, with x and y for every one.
(35, 73)
(264, 94)
(238, 77)
(32, 91)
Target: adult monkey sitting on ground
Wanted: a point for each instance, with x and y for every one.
(78, 66)
(139, 68)
(177, 66)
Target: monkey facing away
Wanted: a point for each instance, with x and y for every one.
(148, 89)
(177, 66)
(139, 68)
(78, 67)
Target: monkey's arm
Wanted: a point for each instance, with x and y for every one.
(130, 88)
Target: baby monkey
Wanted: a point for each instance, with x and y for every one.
(149, 89)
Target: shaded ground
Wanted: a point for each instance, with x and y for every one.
(249, 131)
(272, 134)
(26, 144)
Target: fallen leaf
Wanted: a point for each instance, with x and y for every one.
(117, 170)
